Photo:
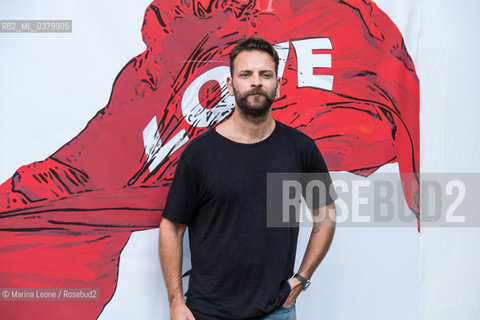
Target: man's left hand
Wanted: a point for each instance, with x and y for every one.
(295, 289)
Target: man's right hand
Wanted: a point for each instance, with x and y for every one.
(170, 247)
(180, 311)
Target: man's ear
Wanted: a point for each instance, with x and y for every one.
(230, 85)
(279, 82)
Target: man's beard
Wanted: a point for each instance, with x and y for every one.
(261, 105)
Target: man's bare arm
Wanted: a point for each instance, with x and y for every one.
(170, 249)
(318, 245)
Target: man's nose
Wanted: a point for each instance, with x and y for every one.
(256, 80)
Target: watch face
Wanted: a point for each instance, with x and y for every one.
(305, 286)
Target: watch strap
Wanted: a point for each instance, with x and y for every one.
(305, 282)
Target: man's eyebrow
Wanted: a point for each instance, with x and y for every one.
(251, 71)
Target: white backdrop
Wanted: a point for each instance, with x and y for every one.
(448, 67)
(52, 84)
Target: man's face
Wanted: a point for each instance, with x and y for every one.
(254, 82)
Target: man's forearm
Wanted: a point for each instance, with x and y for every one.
(320, 240)
(171, 254)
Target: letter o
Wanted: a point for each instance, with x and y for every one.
(194, 113)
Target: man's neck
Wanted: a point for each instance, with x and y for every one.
(247, 130)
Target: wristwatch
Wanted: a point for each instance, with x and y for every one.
(305, 282)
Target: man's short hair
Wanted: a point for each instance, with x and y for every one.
(253, 43)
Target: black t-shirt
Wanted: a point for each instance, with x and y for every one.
(239, 266)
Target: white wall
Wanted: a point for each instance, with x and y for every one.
(449, 66)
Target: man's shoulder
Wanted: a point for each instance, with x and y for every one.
(199, 143)
(295, 134)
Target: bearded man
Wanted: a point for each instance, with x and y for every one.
(241, 268)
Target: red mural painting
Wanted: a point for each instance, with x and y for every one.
(347, 81)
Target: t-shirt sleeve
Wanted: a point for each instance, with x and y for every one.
(316, 170)
(181, 201)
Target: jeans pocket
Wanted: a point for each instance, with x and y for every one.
(283, 313)
(288, 308)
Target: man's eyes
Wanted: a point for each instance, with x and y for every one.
(264, 75)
